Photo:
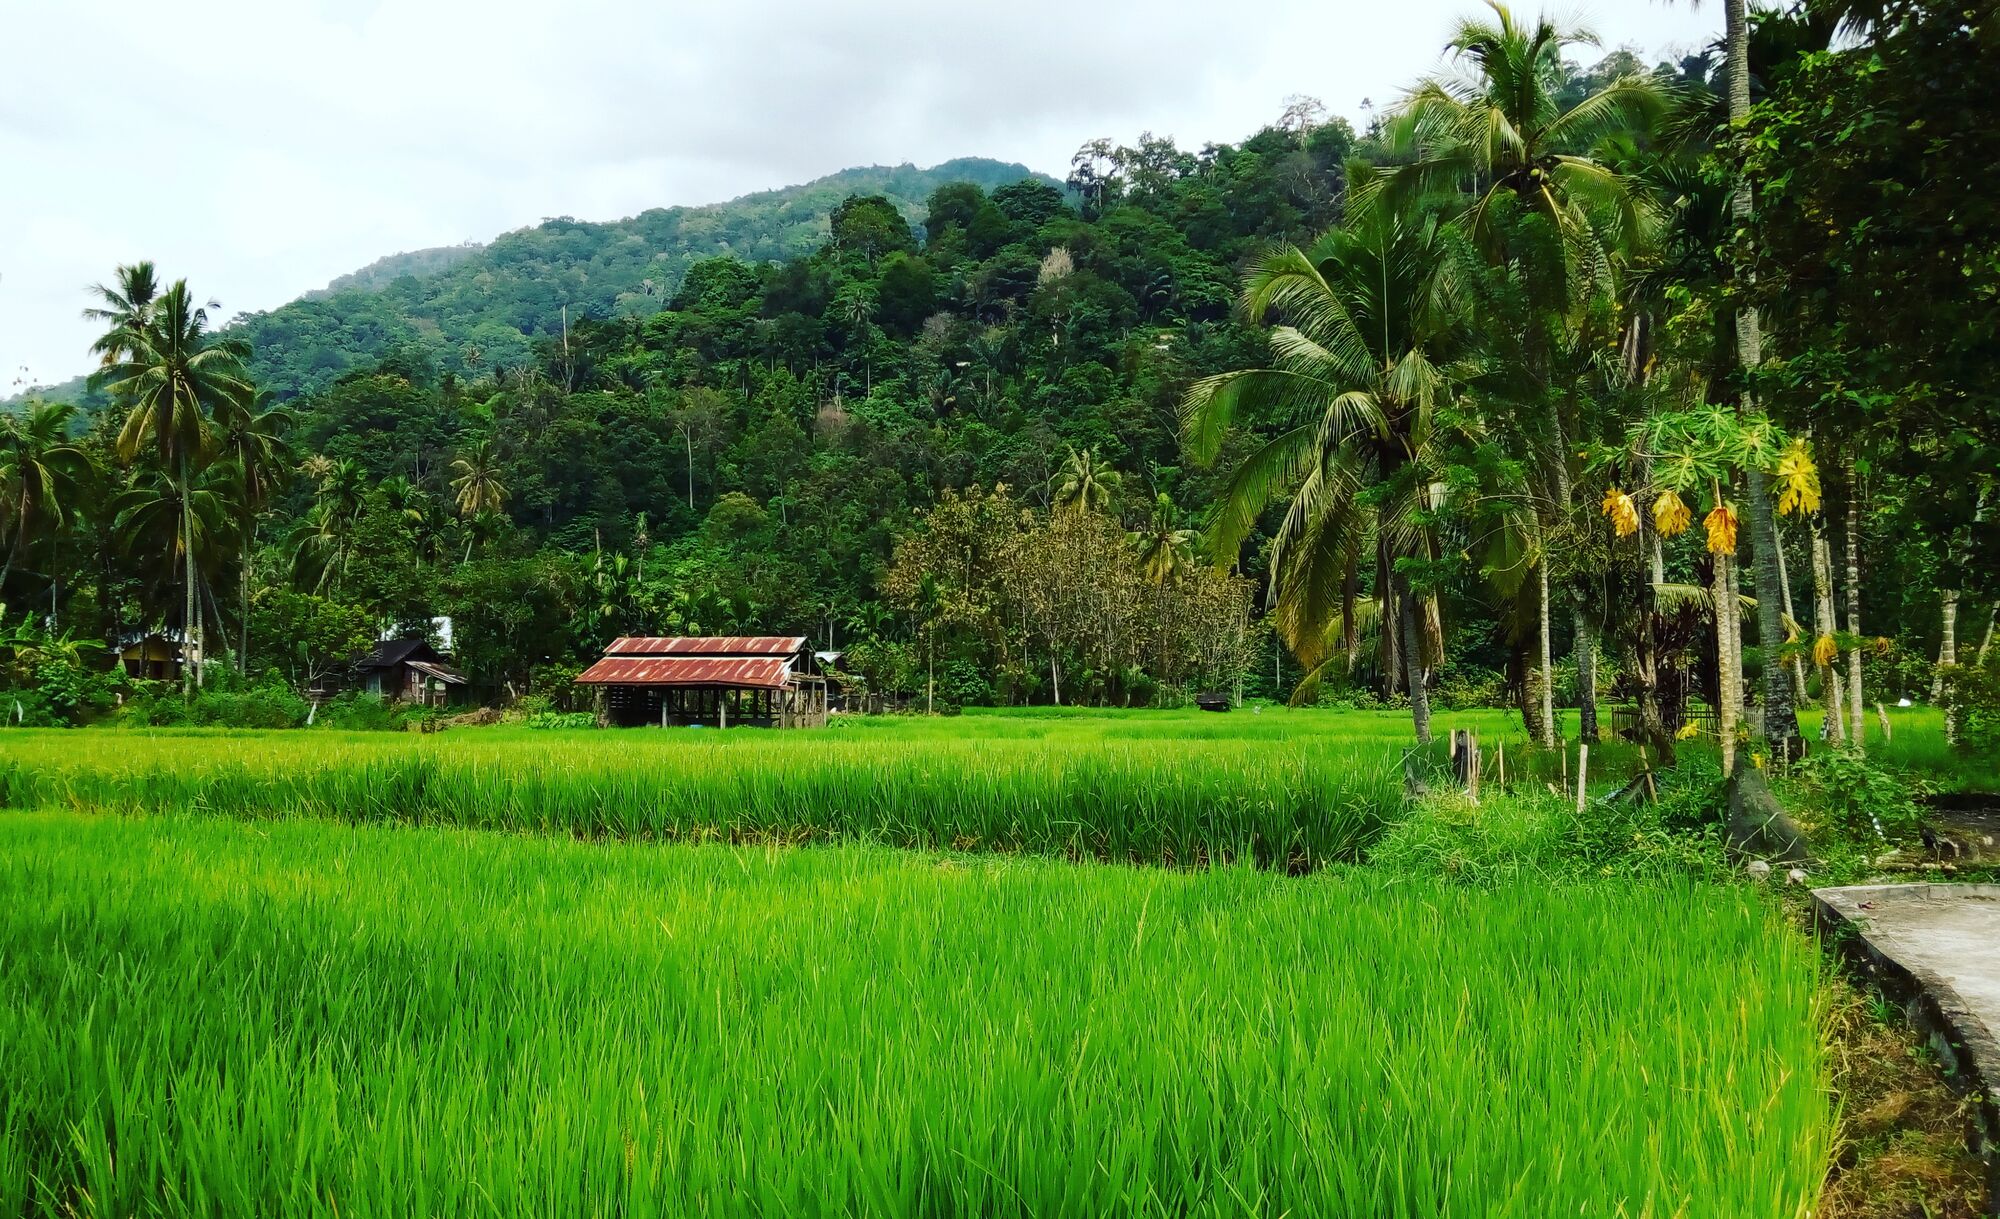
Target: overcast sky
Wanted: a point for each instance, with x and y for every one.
(262, 147)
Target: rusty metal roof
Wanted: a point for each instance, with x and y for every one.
(715, 645)
(761, 673)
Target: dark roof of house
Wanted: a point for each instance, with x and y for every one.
(392, 652)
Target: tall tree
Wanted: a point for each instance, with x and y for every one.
(251, 442)
(1357, 375)
(1085, 483)
(477, 486)
(175, 378)
(41, 470)
(1498, 132)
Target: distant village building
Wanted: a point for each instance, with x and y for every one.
(154, 656)
(762, 681)
(409, 671)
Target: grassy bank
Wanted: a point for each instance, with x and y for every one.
(204, 1016)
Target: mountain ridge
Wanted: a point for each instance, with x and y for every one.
(483, 305)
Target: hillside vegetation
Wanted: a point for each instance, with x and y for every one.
(478, 307)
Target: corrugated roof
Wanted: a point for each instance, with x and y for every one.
(713, 645)
(441, 672)
(763, 673)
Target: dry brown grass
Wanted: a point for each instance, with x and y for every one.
(1903, 1152)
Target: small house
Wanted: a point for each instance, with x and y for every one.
(154, 656)
(409, 671)
(762, 681)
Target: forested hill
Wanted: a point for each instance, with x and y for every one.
(474, 309)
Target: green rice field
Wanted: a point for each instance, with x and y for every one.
(1296, 791)
(220, 1016)
(1290, 789)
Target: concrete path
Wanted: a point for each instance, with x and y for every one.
(1936, 948)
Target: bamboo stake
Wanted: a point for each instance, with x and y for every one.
(1582, 770)
(1882, 713)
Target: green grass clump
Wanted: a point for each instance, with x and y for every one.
(213, 1017)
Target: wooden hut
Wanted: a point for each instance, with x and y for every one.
(155, 656)
(409, 671)
(758, 681)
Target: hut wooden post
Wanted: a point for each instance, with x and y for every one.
(1465, 760)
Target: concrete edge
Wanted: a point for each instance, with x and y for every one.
(1930, 1003)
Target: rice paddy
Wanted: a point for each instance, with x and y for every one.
(290, 1017)
(1295, 792)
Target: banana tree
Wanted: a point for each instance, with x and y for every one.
(1703, 453)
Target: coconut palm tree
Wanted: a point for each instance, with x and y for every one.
(1165, 551)
(251, 443)
(322, 547)
(322, 541)
(1085, 484)
(183, 526)
(1357, 373)
(174, 377)
(478, 487)
(1499, 129)
(41, 471)
(126, 312)
(1163, 546)
(1780, 720)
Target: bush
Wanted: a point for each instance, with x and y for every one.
(58, 694)
(1540, 834)
(561, 719)
(227, 701)
(1462, 689)
(360, 713)
(1972, 709)
(1839, 790)
(960, 683)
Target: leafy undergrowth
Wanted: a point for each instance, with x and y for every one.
(1903, 1152)
(1529, 833)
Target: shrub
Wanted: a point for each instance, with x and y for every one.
(960, 683)
(1462, 689)
(359, 713)
(1972, 709)
(1839, 790)
(561, 719)
(1542, 835)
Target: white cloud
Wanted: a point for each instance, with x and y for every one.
(269, 146)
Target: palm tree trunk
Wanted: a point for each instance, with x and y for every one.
(1546, 714)
(1389, 660)
(1833, 728)
(190, 612)
(1855, 700)
(1986, 640)
(20, 535)
(243, 650)
(1795, 666)
(1948, 640)
(1728, 696)
(1586, 673)
(1781, 721)
(1413, 651)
